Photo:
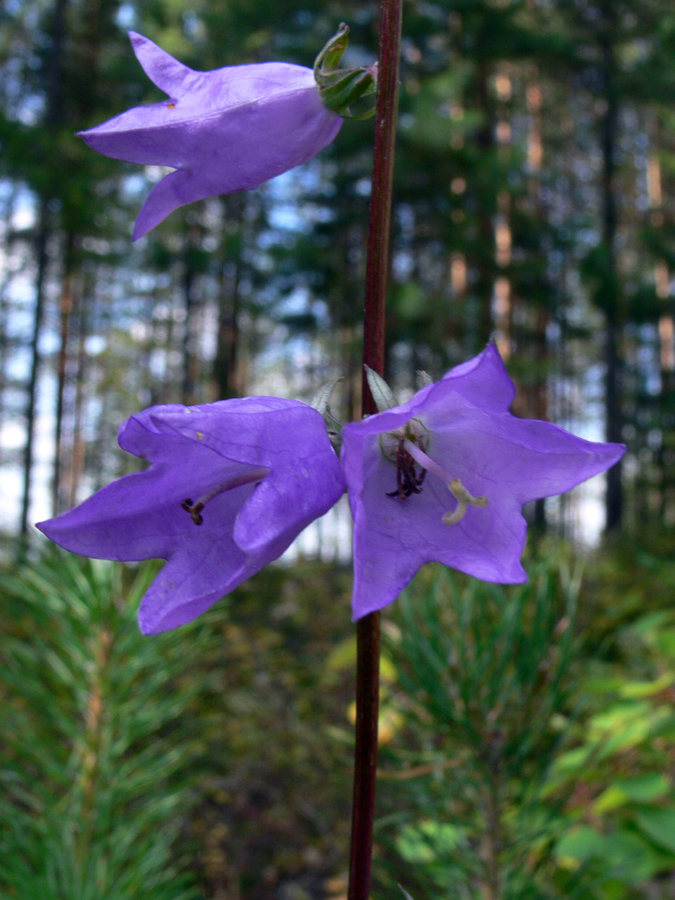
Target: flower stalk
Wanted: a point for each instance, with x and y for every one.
(377, 271)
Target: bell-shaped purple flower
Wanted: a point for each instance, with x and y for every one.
(231, 485)
(222, 131)
(444, 477)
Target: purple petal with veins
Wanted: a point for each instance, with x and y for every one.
(230, 486)
(480, 465)
(223, 131)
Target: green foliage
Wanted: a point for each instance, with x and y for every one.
(482, 671)
(615, 774)
(213, 759)
(529, 763)
(95, 746)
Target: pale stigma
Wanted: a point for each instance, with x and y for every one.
(195, 508)
(459, 492)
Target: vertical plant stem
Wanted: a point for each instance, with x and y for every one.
(377, 271)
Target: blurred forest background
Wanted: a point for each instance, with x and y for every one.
(528, 738)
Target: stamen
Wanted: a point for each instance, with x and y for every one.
(236, 481)
(459, 492)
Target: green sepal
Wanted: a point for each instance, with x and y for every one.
(330, 56)
(348, 92)
(321, 402)
(382, 394)
(321, 399)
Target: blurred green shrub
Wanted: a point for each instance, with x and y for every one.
(531, 764)
(483, 682)
(94, 753)
(209, 761)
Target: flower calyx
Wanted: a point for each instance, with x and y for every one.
(348, 92)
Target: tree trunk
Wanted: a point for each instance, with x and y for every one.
(65, 311)
(38, 316)
(611, 300)
(53, 115)
(487, 204)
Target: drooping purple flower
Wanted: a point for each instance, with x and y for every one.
(444, 477)
(231, 485)
(222, 131)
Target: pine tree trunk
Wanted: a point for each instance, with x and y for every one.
(486, 239)
(65, 311)
(38, 317)
(53, 115)
(611, 292)
(77, 460)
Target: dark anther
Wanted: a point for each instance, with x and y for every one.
(194, 509)
(407, 480)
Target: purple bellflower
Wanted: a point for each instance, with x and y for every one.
(222, 131)
(444, 477)
(231, 485)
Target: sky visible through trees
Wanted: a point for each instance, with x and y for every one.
(527, 734)
(533, 205)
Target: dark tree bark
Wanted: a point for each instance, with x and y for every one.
(65, 311)
(611, 299)
(54, 76)
(38, 317)
(227, 375)
(485, 257)
(77, 459)
(227, 348)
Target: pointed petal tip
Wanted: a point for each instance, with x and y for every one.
(606, 455)
(88, 135)
(138, 232)
(138, 40)
(50, 529)
(145, 628)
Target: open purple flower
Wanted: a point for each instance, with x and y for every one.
(444, 476)
(223, 131)
(231, 485)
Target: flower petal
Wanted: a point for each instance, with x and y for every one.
(174, 190)
(289, 438)
(204, 505)
(469, 435)
(393, 538)
(482, 381)
(199, 572)
(147, 135)
(523, 458)
(140, 516)
(227, 130)
(161, 68)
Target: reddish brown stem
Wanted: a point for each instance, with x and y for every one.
(379, 225)
(377, 271)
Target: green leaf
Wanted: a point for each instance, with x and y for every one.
(659, 825)
(639, 689)
(641, 789)
(580, 845)
(426, 840)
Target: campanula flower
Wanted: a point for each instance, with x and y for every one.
(444, 477)
(222, 131)
(230, 486)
